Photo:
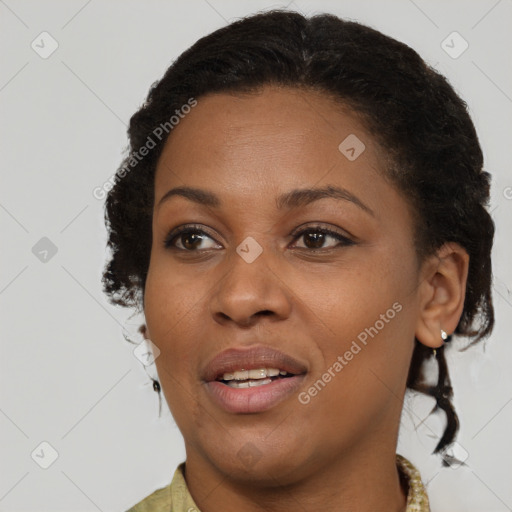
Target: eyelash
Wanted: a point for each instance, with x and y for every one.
(190, 229)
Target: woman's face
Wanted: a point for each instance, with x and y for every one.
(342, 306)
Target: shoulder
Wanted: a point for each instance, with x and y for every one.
(175, 496)
(417, 499)
(158, 500)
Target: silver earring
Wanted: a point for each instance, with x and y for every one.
(444, 336)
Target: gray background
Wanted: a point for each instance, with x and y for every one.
(68, 377)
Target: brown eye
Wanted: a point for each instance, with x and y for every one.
(314, 240)
(315, 237)
(190, 240)
(187, 238)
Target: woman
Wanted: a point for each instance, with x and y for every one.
(302, 219)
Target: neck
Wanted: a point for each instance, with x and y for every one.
(363, 480)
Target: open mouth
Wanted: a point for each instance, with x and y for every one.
(253, 378)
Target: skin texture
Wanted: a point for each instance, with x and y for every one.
(309, 303)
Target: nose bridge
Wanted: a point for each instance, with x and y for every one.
(250, 286)
(249, 268)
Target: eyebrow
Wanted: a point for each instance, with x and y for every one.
(289, 200)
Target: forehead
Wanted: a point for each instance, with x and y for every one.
(253, 147)
(277, 135)
(269, 117)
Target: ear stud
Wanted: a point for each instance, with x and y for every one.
(444, 336)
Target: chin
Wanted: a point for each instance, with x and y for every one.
(260, 462)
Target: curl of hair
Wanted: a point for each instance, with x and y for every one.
(430, 144)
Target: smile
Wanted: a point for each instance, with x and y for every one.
(253, 395)
(252, 378)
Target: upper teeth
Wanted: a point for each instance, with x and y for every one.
(260, 373)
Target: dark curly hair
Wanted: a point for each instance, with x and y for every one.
(432, 150)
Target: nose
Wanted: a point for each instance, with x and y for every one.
(250, 290)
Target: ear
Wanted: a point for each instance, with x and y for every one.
(442, 291)
(143, 329)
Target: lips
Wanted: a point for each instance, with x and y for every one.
(249, 396)
(253, 358)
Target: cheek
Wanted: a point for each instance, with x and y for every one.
(170, 305)
(350, 296)
(368, 327)
(168, 297)
(171, 311)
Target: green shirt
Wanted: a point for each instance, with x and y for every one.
(176, 497)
